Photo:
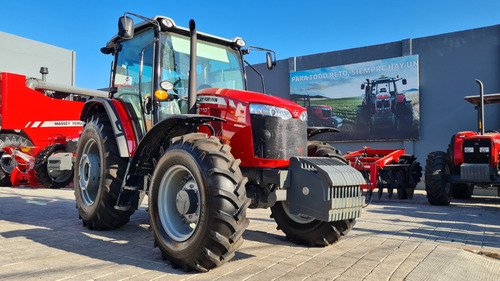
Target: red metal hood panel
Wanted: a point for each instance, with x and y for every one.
(252, 97)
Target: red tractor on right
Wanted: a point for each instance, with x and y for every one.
(472, 159)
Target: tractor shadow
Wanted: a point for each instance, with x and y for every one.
(53, 222)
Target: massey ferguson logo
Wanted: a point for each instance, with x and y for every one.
(296, 113)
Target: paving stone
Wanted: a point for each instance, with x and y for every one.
(41, 238)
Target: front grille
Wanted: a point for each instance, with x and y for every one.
(476, 157)
(276, 138)
(383, 105)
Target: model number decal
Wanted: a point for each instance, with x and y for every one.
(212, 100)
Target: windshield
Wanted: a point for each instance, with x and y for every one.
(217, 66)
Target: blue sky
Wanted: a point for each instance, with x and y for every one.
(291, 28)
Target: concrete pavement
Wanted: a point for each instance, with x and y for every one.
(41, 238)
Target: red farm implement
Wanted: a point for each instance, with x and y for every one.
(24, 171)
(40, 122)
(387, 168)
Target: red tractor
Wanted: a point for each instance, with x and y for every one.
(472, 159)
(180, 127)
(318, 115)
(383, 106)
(37, 113)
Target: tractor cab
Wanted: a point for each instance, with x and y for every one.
(151, 68)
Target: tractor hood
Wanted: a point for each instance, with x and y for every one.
(254, 97)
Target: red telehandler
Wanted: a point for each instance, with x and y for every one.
(45, 115)
(180, 127)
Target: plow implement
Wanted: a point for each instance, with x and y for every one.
(387, 169)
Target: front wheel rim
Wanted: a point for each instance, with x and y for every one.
(179, 203)
(301, 219)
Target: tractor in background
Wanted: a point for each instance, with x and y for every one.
(40, 124)
(180, 127)
(472, 159)
(383, 106)
(318, 115)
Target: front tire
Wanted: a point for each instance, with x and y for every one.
(308, 230)
(198, 203)
(98, 176)
(437, 186)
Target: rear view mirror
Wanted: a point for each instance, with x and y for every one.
(362, 86)
(271, 62)
(125, 27)
(404, 81)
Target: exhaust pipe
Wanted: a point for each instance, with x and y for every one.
(44, 71)
(480, 111)
(192, 68)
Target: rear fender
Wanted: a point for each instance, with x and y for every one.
(312, 131)
(126, 136)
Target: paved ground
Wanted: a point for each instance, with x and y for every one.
(41, 238)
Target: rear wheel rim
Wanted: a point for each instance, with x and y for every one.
(179, 203)
(89, 172)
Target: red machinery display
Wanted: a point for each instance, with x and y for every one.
(472, 159)
(387, 168)
(41, 114)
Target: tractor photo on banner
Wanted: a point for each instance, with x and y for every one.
(376, 100)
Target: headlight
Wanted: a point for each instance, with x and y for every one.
(468, 149)
(303, 116)
(484, 149)
(270, 110)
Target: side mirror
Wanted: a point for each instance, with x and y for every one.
(404, 81)
(125, 27)
(362, 86)
(270, 60)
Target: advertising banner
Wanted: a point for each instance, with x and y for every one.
(376, 100)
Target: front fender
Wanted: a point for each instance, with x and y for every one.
(162, 132)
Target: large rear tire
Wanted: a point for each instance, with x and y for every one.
(308, 230)
(437, 186)
(6, 162)
(198, 203)
(98, 176)
(44, 176)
